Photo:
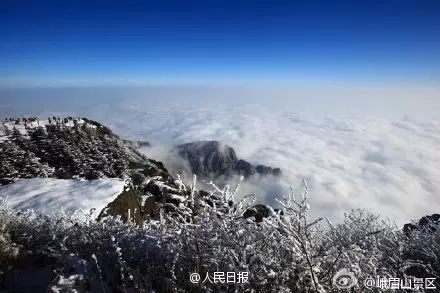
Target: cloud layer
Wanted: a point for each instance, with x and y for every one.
(384, 165)
(387, 165)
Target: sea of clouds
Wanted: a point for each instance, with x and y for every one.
(389, 165)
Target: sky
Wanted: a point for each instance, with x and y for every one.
(89, 43)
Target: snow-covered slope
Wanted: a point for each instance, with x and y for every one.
(48, 195)
(66, 149)
(62, 152)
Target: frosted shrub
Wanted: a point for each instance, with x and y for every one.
(207, 232)
(8, 250)
(208, 235)
(364, 245)
(422, 253)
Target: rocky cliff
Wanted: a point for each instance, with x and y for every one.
(212, 159)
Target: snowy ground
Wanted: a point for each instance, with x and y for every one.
(48, 196)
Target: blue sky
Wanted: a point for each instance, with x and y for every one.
(174, 42)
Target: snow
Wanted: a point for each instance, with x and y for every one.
(23, 127)
(162, 185)
(178, 197)
(49, 196)
(67, 284)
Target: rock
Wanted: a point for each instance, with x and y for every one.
(212, 159)
(209, 158)
(245, 168)
(428, 223)
(127, 205)
(418, 259)
(409, 228)
(431, 221)
(258, 212)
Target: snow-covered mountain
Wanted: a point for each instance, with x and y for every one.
(77, 163)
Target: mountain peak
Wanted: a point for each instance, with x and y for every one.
(211, 159)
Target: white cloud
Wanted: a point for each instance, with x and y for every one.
(387, 166)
